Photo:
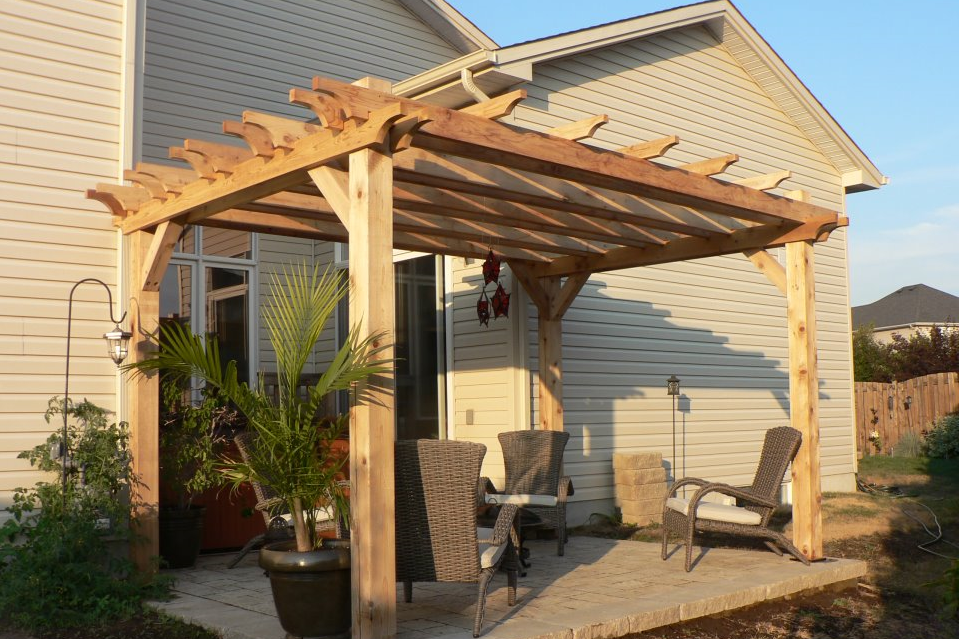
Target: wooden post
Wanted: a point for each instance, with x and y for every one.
(143, 412)
(804, 397)
(550, 361)
(372, 430)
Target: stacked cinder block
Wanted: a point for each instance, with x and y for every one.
(640, 486)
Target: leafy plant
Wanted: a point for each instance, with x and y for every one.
(289, 451)
(63, 554)
(950, 596)
(193, 437)
(942, 441)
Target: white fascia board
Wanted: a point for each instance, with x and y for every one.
(452, 25)
(443, 74)
(609, 34)
(868, 176)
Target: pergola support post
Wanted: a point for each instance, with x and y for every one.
(372, 526)
(143, 411)
(804, 397)
(550, 362)
(552, 297)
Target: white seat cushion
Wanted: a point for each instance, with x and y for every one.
(322, 514)
(716, 512)
(489, 554)
(522, 500)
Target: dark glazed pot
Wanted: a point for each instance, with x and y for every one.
(311, 590)
(181, 533)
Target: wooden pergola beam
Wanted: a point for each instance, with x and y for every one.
(581, 129)
(651, 149)
(267, 177)
(690, 248)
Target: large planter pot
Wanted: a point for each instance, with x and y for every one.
(181, 532)
(311, 590)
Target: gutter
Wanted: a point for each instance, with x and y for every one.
(445, 73)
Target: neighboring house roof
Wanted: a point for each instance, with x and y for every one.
(915, 304)
(494, 71)
(452, 25)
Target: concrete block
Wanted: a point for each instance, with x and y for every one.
(628, 477)
(642, 520)
(637, 461)
(641, 492)
(641, 506)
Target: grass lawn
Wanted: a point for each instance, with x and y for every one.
(880, 528)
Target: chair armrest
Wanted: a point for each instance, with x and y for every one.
(689, 481)
(503, 526)
(483, 488)
(565, 489)
(268, 505)
(732, 491)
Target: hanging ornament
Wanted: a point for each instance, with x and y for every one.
(482, 309)
(491, 268)
(500, 302)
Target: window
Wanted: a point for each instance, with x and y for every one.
(208, 287)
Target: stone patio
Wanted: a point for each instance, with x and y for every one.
(600, 589)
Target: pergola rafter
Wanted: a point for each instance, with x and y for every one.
(386, 172)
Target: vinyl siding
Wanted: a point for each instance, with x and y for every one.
(209, 64)
(206, 65)
(60, 101)
(488, 376)
(718, 324)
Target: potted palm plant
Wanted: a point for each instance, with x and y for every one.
(289, 450)
(193, 439)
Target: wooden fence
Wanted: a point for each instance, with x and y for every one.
(901, 407)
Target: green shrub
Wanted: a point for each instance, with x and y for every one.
(942, 441)
(950, 593)
(64, 553)
(910, 445)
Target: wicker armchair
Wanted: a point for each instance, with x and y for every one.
(534, 461)
(436, 534)
(756, 503)
(279, 522)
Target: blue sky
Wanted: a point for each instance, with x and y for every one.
(888, 72)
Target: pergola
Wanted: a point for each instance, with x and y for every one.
(384, 172)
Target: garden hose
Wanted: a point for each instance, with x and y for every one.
(896, 492)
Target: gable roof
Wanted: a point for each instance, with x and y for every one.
(496, 70)
(915, 304)
(452, 25)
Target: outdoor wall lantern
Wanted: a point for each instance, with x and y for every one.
(908, 402)
(118, 346)
(891, 402)
(672, 389)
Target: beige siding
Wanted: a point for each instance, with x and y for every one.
(60, 100)
(208, 64)
(488, 376)
(716, 323)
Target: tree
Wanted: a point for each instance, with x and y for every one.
(870, 358)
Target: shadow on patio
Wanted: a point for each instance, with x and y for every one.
(601, 588)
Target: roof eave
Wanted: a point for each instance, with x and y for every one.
(452, 25)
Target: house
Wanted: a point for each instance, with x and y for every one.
(102, 91)
(908, 311)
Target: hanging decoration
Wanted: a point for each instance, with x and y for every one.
(491, 268)
(482, 308)
(500, 302)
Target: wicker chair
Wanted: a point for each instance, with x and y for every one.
(436, 534)
(534, 461)
(279, 521)
(756, 503)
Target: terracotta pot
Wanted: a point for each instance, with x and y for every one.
(311, 590)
